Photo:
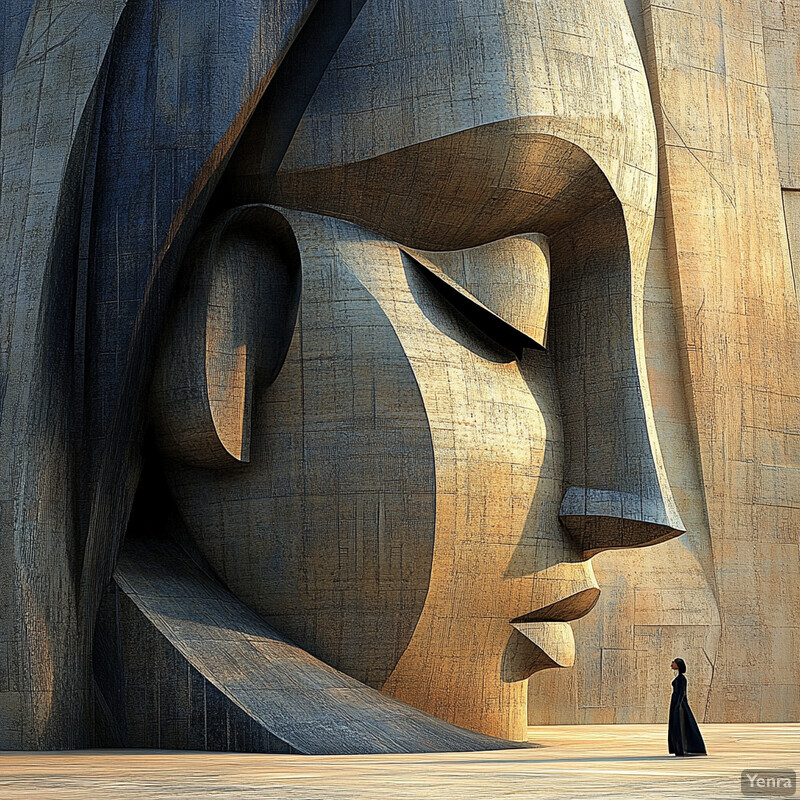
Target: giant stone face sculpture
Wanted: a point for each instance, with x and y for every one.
(322, 368)
(460, 420)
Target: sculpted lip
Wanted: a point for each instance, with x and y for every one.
(549, 629)
(573, 606)
(555, 640)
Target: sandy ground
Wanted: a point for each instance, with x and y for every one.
(597, 761)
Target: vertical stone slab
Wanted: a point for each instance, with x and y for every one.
(781, 29)
(738, 318)
(791, 210)
(48, 106)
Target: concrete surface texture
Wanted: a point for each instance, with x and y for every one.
(451, 348)
(721, 332)
(620, 761)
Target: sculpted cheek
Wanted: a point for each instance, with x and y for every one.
(328, 531)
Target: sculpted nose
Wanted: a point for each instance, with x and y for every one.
(617, 491)
(603, 519)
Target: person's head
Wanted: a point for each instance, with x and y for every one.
(680, 665)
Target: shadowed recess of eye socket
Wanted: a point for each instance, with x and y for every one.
(510, 276)
(473, 323)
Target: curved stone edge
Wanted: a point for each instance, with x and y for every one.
(306, 703)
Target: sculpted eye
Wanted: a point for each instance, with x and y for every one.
(502, 288)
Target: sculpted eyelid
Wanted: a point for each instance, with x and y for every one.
(476, 312)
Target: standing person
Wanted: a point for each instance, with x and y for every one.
(684, 736)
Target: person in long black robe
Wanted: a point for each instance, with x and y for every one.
(683, 736)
